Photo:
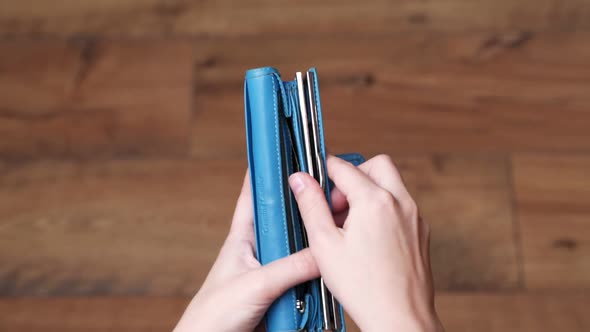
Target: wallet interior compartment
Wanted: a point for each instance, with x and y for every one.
(308, 294)
(293, 160)
(295, 231)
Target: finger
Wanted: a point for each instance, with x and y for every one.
(424, 238)
(382, 170)
(280, 275)
(313, 207)
(339, 202)
(242, 227)
(340, 218)
(351, 182)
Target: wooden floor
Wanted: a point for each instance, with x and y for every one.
(122, 147)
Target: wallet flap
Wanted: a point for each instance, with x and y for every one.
(268, 183)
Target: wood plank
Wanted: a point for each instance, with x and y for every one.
(130, 314)
(93, 98)
(412, 93)
(514, 312)
(120, 227)
(466, 201)
(154, 227)
(553, 204)
(264, 17)
(459, 312)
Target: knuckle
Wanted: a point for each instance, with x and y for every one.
(384, 199)
(303, 262)
(311, 203)
(261, 286)
(425, 225)
(386, 162)
(383, 159)
(412, 208)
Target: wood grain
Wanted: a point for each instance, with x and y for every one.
(514, 312)
(154, 227)
(94, 98)
(120, 227)
(459, 312)
(240, 18)
(411, 93)
(553, 204)
(105, 314)
(484, 106)
(466, 201)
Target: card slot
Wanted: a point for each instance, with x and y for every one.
(299, 123)
(308, 293)
(287, 165)
(296, 234)
(295, 124)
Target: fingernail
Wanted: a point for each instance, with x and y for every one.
(296, 183)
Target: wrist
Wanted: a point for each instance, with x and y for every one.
(406, 324)
(410, 316)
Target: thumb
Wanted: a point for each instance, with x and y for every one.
(314, 209)
(277, 277)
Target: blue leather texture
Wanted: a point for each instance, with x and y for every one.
(275, 145)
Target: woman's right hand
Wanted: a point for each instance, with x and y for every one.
(373, 252)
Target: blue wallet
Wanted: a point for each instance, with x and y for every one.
(285, 135)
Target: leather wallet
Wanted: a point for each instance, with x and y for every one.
(285, 135)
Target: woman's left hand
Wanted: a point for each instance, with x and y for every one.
(238, 290)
